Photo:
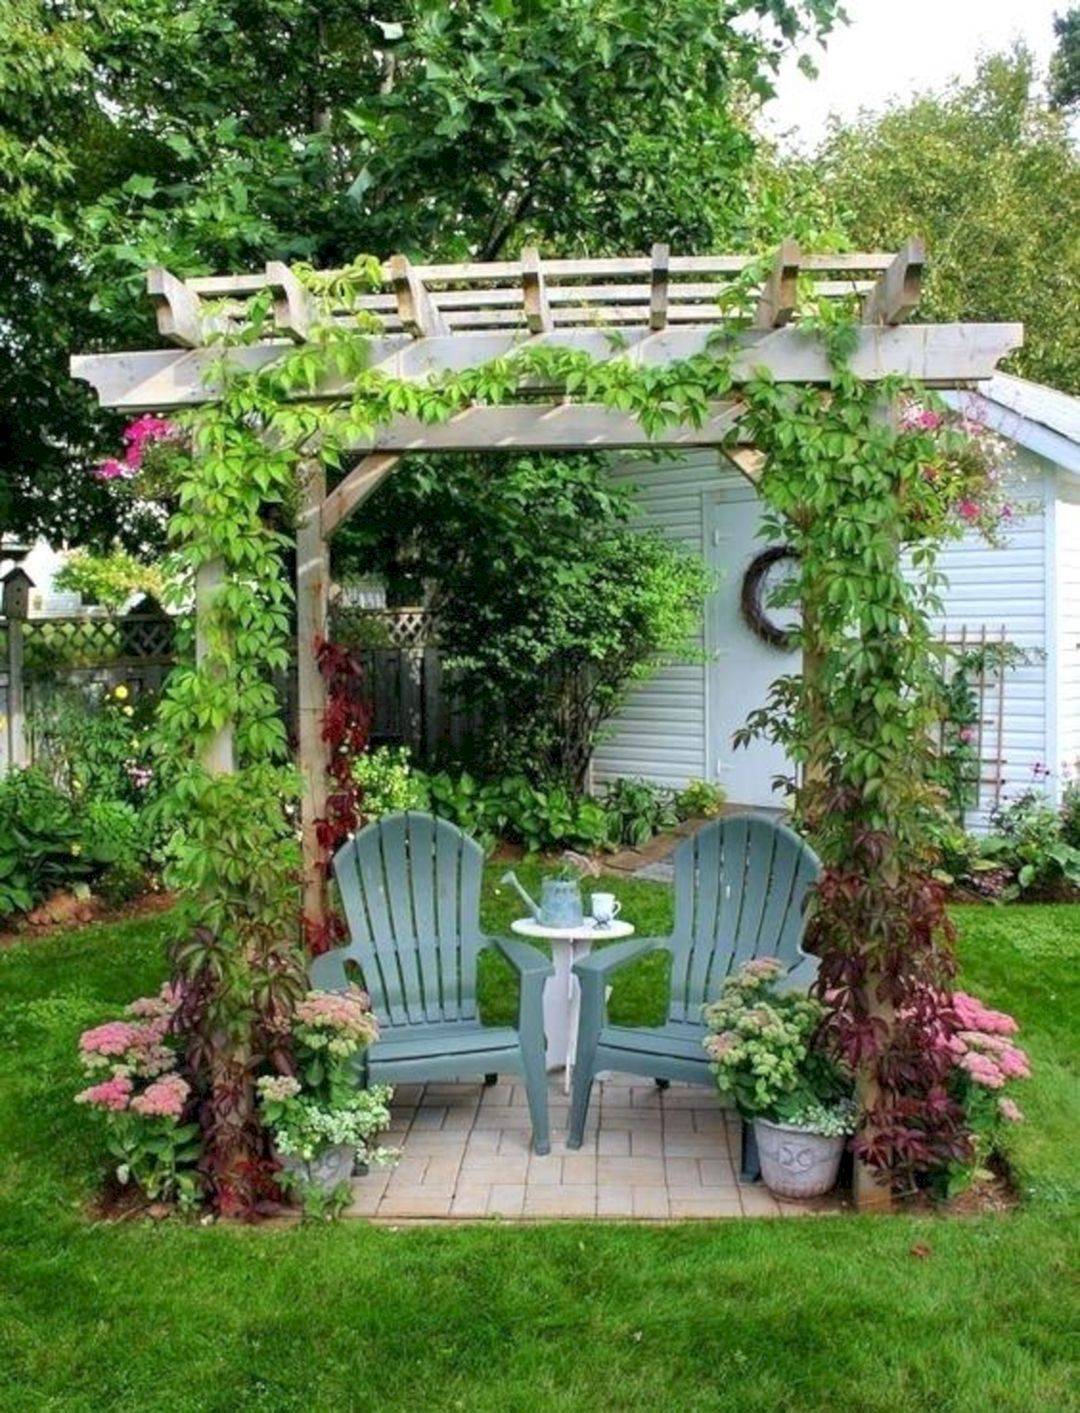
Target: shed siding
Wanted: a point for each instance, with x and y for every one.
(660, 733)
(1007, 586)
(1067, 595)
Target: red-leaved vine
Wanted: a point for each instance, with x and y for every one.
(346, 730)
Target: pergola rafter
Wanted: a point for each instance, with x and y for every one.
(652, 310)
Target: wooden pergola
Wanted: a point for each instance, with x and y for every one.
(441, 318)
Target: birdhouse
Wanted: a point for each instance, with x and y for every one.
(17, 585)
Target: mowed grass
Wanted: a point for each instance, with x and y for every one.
(859, 1313)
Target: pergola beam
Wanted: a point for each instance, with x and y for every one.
(353, 489)
(942, 355)
(560, 426)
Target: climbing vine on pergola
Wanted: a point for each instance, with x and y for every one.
(790, 359)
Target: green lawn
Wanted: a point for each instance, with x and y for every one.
(808, 1314)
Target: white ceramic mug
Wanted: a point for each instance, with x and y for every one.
(605, 907)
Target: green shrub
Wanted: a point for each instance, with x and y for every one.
(699, 799)
(1070, 812)
(41, 841)
(1029, 839)
(386, 777)
(539, 818)
(637, 810)
(99, 746)
(551, 604)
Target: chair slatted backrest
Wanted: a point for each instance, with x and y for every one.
(740, 892)
(410, 886)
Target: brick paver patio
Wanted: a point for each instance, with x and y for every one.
(648, 1154)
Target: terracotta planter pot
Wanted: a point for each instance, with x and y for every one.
(327, 1170)
(796, 1162)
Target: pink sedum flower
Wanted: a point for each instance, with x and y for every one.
(973, 1015)
(113, 1094)
(112, 1038)
(165, 1098)
(767, 968)
(982, 1070)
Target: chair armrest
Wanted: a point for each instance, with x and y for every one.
(525, 959)
(602, 963)
(801, 975)
(327, 972)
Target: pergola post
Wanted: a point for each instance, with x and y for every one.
(312, 606)
(216, 755)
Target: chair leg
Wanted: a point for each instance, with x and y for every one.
(662, 1083)
(750, 1166)
(536, 1092)
(581, 1087)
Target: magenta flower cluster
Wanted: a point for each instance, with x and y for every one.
(137, 436)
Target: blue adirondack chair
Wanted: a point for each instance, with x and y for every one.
(410, 886)
(740, 890)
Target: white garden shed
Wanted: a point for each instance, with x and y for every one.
(679, 725)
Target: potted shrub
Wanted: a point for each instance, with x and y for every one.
(321, 1123)
(764, 1053)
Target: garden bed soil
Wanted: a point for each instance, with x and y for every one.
(65, 911)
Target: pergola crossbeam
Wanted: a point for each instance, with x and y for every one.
(658, 289)
(534, 292)
(178, 309)
(895, 296)
(776, 305)
(416, 310)
(294, 308)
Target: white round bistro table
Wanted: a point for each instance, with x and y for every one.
(562, 992)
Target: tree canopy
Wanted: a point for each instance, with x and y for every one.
(224, 133)
(986, 171)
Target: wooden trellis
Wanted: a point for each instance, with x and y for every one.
(436, 318)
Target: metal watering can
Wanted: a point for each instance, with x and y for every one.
(560, 901)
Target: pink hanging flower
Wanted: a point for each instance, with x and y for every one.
(968, 510)
(147, 428)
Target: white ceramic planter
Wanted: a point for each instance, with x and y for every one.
(327, 1170)
(795, 1162)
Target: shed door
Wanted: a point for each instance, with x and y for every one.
(741, 666)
